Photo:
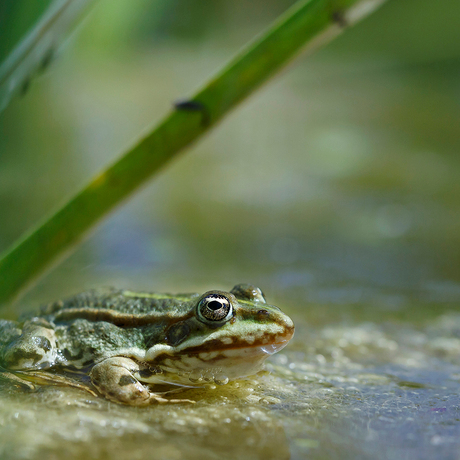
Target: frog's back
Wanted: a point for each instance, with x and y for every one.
(121, 301)
(98, 324)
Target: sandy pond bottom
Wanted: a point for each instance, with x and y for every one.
(364, 390)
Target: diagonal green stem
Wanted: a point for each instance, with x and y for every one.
(312, 22)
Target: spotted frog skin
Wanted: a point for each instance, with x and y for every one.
(121, 344)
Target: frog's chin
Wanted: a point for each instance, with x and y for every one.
(218, 366)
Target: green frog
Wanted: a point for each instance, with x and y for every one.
(123, 344)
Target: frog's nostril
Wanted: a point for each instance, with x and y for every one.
(263, 313)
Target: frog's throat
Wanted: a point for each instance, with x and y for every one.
(219, 366)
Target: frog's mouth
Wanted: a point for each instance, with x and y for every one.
(251, 350)
(236, 359)
(265, 345)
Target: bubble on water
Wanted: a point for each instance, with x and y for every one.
(221, 379)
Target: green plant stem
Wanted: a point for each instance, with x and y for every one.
(312, 22)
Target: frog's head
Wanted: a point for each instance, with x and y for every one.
(224, 335)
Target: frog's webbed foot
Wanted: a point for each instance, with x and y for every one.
(28, 380)
(114, 379)
(12, 379)
(45, 378)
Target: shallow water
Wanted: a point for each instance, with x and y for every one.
(393, 390)
(340, 390)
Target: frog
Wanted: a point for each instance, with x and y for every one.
(126, 346)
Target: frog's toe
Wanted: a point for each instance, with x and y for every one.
(114, 380)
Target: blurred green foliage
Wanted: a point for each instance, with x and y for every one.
(340, 173)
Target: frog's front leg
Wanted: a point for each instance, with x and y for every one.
(35, 348)
(114, 378)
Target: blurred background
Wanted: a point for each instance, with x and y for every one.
(336, 185)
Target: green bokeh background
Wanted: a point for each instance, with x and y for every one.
(336, 183)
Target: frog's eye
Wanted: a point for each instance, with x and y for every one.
(215, 307)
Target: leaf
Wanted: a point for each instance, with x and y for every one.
(39, 47)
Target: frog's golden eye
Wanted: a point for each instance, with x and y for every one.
(215, 307)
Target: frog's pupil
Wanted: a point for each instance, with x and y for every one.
(214, 305)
